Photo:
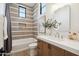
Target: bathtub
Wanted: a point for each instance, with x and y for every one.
(22, 44)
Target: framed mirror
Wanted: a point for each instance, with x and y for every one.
(63, 15)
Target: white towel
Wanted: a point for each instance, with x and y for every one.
(5, 28)
(2, 18)
(1, 31)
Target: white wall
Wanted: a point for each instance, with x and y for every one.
(2, 9)
(49, 11)
(75, 17)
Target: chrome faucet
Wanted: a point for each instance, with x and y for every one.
(57, 35)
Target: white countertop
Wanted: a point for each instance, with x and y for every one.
(67, 44)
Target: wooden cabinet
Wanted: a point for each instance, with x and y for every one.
(42, 48)
(56, 51)
(45, 49)
(67, 53)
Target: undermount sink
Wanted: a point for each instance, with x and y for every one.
(51, 38)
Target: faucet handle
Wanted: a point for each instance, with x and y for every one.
(61, 36)
(58, 35)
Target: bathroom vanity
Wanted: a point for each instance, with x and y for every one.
(56, 46)
(51, 46)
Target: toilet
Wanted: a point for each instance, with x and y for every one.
(32, 50)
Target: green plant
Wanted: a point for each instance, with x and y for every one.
(47, 24)
(51, 24)
(55, 24)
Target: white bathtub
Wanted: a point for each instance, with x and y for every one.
(20, 44)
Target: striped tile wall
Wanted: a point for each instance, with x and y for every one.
(40, 18)
(35, 12)
(35, 15)
(22, 27)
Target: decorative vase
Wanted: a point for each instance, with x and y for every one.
(48, 31)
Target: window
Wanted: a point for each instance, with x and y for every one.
(42, 8)
(22, 11)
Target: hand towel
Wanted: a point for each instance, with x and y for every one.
(2, 20)
(5, 28)
(1, 31)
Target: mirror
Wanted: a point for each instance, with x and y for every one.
(69, 16)
(62, 15)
